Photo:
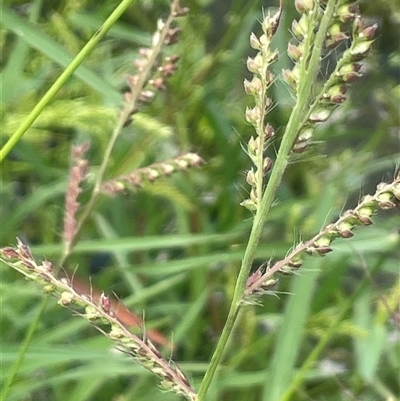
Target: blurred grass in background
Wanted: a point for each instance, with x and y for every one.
(173, 248)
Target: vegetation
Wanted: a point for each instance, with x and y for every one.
(192, 220)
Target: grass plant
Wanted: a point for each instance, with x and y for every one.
(154, 214)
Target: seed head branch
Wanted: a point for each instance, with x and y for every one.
(387, 196)
(151, 173)
(77, 174)
(101, 315)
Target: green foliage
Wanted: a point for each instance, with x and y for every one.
(172, 250)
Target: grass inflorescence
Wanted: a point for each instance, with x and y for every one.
(323, 30)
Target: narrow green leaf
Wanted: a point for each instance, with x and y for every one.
(54, 51)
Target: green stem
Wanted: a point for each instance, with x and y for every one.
(123, 118)
(16, 366)
(306, 83)
(75, 63)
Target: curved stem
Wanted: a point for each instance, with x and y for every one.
(123, 118)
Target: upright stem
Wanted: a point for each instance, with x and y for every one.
(281, 163)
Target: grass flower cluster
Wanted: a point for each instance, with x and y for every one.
(101, 315)
(324, 28)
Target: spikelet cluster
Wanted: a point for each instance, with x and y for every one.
(139, 177)
(151, 74)
(347, 28)
(101, 315)
(77, 174)
(387, 196)
(258, 87)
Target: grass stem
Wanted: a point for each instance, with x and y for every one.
(288, 139)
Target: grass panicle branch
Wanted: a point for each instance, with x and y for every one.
(101, 315)
(151, 173)
(387, 196)
(346, 25)
(257, 87)
(77, 174)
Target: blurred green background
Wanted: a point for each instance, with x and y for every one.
(171, 250)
